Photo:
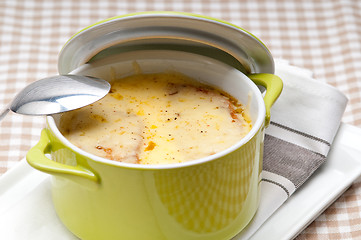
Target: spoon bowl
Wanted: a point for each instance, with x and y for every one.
(57, 94)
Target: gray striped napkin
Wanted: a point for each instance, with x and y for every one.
(304, 122)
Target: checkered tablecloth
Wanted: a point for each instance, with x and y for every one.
(322, 36)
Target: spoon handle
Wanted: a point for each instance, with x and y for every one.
(3, 113)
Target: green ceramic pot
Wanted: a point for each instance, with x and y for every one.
(210, 198)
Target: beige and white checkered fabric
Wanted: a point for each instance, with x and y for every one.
(322, 36)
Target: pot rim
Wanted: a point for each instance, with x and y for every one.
(259, 123)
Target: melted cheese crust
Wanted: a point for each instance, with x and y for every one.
(157, 119)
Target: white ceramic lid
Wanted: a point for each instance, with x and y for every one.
(167, 31)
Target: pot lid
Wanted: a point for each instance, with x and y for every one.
(167, 31)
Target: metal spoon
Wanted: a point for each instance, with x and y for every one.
(57, 94)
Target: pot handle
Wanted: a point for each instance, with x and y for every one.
(273, 85)
(37, 159)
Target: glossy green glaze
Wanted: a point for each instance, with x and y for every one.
(66, 166)
(212, 200)
(207, 199)
(274, 86)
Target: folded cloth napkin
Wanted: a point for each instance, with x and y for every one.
(304, 122)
